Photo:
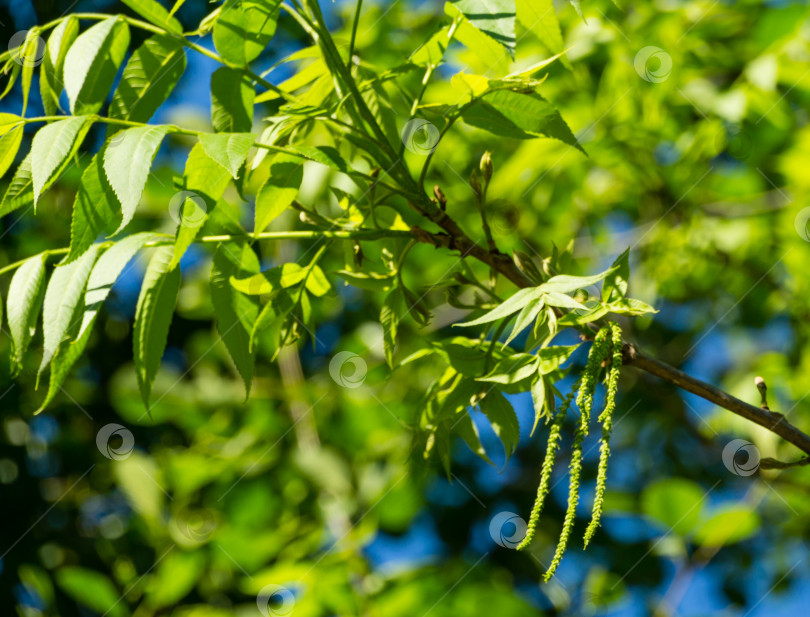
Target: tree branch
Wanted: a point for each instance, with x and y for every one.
(455, 238)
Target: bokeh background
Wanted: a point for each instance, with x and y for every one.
(697, 159)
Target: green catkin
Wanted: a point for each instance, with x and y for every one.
(548, 464)
(606, 418)
(597, 355)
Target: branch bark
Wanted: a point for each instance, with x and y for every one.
(455, 238)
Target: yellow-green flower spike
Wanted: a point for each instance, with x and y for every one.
(596, 356)
(606, 417)
(548, 464)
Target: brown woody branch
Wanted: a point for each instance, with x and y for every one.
(453, 237)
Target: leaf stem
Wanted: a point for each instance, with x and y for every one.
(361, 234)
(356, 21)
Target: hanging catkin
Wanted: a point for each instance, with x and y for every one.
(597, 355)
(548, 464)
(606, 418)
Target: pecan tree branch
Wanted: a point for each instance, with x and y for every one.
(454, 238)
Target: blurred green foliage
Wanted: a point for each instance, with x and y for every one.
(701, 169)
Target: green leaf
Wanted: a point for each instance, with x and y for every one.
(317, 282)
(232, 98)
(467, 356)
(268, 281)
(279, 190)
(503, 419)
(515, 303)
(518, 115)
(8, 121)
(96, 210)
(106, 271)
(325, 155)
(393, 309)
(31, 51)
(103, 276)
(467, 430)
(495, 18)
(22, 306)
(153, 315)
(20, 190)
(148, 78)
(526, 317)
(615, 285)
(512, 369)
(175, 577)
(205, 182)
(228, 149)
(729, 525)
(92, 62)
(52, 148)
(243, 29)
(551, 358)
(561, 300)
(273, 314)
(565, 284)
(630, 306)
(155, 13)
(539, 17)
(51, 80)
(539, 401)
(674, 503)
(9, 146)
(65, 290)
(91, 589)
(595, 310)
(236, 314)
(432, 51)
(371, 281)
(127, 161)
